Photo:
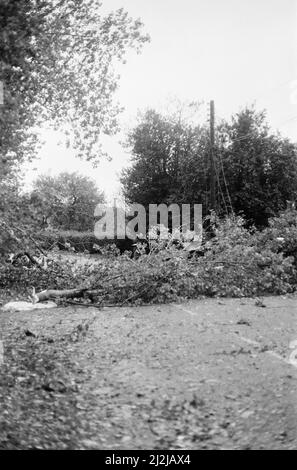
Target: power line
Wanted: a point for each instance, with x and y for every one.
(279, 85)
(221, 191)
(225, 183)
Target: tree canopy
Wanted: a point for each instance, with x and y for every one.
(256, 170)
(67, 200)
(58, 67)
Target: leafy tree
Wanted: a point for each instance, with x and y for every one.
(259, 168)
(68, 200)
(20, 22)
(77, 54)
(162, 150)
(256, 170)
(58, 61)
(58, 66)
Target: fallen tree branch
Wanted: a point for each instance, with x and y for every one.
(67, 293)
(11, 228)
(82, 304)
(54, 294)
(29, 256)
(24, 232)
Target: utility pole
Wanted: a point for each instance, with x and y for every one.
(212, 157)
(1, 106)
(1, 93)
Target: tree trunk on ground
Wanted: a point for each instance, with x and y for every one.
(54, 294)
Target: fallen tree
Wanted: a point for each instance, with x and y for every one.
(237, 263)
(51, 294)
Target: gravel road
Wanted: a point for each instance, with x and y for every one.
(208, 374)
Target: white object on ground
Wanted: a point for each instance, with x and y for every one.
(25, 306)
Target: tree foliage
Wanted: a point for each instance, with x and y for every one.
(77, 73)
(58, 67)
(258, 167)
(20, 22)
(68, 201)
(238, 262)
(256, 170)
(58, 63)
(161, 148)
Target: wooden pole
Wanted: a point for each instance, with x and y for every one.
(212, 157)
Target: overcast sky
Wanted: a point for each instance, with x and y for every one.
(233, 51)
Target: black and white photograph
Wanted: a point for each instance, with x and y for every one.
(148, 228)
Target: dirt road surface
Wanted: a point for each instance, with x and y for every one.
(208, 374)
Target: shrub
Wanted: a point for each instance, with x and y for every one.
(237, 262)
(241, 262)
(80, 241)
(281, 235)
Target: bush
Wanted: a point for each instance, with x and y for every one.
(241, 262)
(57, 276)
(281, 235)
(237, 262)
(79, 241)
